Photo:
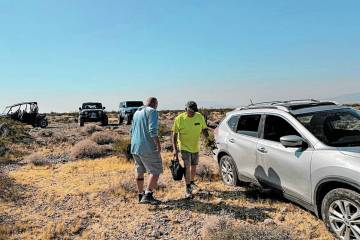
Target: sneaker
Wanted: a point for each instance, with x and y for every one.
(140, 195)
(148, 198)
(188, 193)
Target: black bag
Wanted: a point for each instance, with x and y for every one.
(177, 171)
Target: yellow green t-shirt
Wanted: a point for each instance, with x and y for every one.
(189, 130)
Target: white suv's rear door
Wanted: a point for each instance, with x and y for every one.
(242, 142)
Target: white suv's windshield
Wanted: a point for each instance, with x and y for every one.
(337, 128)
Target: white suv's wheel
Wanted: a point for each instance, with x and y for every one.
(228, 171)
(341, 212)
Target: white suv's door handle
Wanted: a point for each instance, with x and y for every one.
(231, 140)
(261, 149)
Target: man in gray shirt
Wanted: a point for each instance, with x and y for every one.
(145, 148)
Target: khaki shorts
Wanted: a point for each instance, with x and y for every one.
(150, 163)
(190, 158)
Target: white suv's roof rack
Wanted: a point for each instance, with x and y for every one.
(288, 105)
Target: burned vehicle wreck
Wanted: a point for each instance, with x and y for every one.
(26, 112)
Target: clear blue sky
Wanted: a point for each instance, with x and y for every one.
(219, 53)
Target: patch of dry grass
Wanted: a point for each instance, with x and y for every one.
(88, 149)
(73, 187)
(226, 228)
(81, 176)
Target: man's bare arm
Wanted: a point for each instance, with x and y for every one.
(174, 143)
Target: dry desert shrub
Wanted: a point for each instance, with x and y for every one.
(54, 231)
(214, 224)
(88, 149)
(46, 133)
(102, 138)
(223, 227)
(9, 191)
(128, 185)
(36, 159)
(207, 171)
(120, 147)
(91, 128)
(7, 230)
(125, 186)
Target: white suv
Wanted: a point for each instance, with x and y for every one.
(307, 149)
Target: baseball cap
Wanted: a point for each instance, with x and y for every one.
(192, 105)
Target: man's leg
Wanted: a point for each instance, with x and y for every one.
(193, 172)
(186, 157)
(153, 179)
(140, 169)
(188, 174)
(153, 164)
(140, 182)
(194, 163)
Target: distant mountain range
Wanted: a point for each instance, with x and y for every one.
(348, 98)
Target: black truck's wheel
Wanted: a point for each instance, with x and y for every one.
(121, 120)
(340, 210)
(43, 123)
(105, 121)
(129, 119)
(81, 121)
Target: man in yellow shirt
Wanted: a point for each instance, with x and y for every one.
(187, 129)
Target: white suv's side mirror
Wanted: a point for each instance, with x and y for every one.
(292, 141)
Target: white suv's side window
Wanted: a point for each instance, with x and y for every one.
(277, 127)
(249, 125)
(232, 122)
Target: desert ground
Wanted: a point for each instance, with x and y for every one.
(71, 182)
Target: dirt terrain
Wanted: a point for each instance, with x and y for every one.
(67, 182)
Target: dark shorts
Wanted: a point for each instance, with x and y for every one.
(150, 163)
(190, 158)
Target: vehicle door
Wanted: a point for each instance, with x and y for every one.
(285, 168)
(242, 142)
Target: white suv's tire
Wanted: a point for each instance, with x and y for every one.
(228, 171)
(340, 210)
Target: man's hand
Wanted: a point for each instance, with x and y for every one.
(175, 149)
(157, 144)
(176, 154)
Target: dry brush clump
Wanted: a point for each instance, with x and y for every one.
(123, 187)
(37, 159)
(91, 128)
(121, 147)
(207, 171)
(9, 191)
(89, 149)
(45, 133)
(12, 132)
(225, 228)
(102, 138)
